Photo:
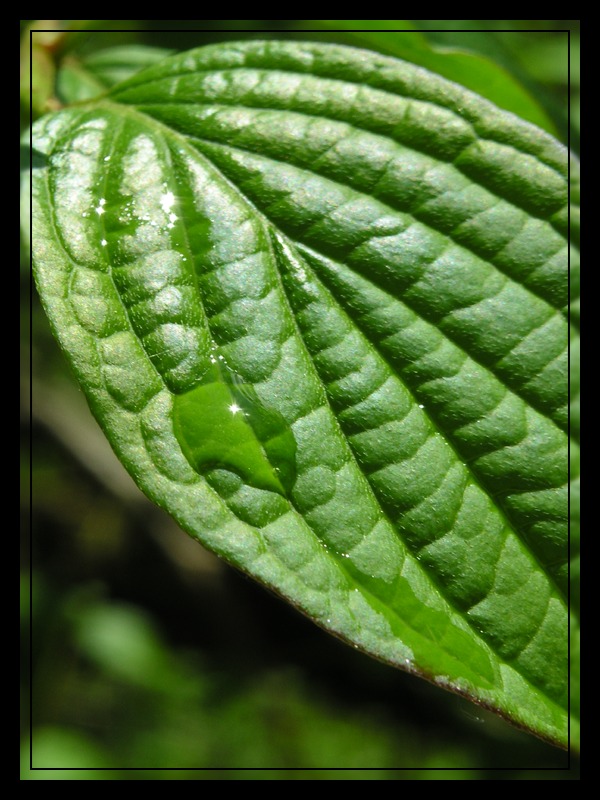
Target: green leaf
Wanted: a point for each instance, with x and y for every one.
(316, 299)
(471, 69)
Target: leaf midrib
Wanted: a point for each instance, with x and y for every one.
(164, 129)
(555, 310)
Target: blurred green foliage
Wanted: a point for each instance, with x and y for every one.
(149, 658)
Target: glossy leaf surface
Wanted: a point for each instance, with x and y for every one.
(481, 74)
(317, 300)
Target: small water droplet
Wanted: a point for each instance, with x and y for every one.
(421, 405)
(103, 242)
(167, 201)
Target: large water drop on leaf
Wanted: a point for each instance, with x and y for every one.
(222, 424)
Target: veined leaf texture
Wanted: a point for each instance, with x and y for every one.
(317, 299)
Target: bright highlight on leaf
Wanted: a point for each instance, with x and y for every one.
(316, 298)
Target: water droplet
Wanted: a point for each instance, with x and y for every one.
(103, 242)
(222, 424)
(421, 405)
(167, 201)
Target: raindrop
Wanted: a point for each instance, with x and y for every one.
(223, 424)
